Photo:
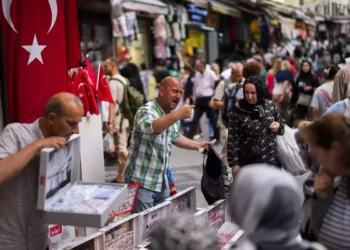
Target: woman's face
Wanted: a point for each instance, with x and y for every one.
(306, 67)
(250, 93)
(329, 160)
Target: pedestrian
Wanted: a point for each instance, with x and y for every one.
(156, 128)
(341, 89)
(253, 126)
(131, 72)
(216, 69)
(283, 80)
(303, 89)
(271, 76)
(328, 202)
(269, 210)
(22, 225)
(184, 232)
(322, 99)
(117, 122)
(203, 91)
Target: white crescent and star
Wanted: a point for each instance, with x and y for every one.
(104, 81)
(35, 49)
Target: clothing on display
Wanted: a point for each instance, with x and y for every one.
(119, 27)
(160, 30)
(117, 8)
(86, 199)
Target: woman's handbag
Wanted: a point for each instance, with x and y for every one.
(212, 183)
(304, 100)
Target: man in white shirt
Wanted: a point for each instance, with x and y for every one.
(226, 74)
(116, 122)
(203, 91)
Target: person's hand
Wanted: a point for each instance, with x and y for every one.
(185, 112)
(307, 88)
(235, 169)
(111, 216)
(205, 145)
(275, 127)
(51, 142)
(303, 124)
(323, 184)
(109, 127)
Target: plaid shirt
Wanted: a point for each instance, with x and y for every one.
(149, 153)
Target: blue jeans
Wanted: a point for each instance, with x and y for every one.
(147, 198)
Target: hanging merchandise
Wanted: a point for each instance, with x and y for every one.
(118, 19)
(132, 26)
(160, 34)
(183, 19)
(255, 29)
(264, 30)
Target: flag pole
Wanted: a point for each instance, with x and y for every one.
(98, 75)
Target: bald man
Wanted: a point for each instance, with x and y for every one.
(22, 226)
(156, 128)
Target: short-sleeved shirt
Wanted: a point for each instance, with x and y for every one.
(149, 152)
(322, 98)
(22, 226)
(203, 85)
(338, 108)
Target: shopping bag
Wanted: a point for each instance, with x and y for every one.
(212, 182)
(108, 143)
(288, 152)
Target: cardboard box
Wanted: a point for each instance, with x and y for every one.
(59, 177)
(122, 234)
(93, 242)
(184, 201)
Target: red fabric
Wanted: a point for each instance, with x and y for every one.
(294, 71)
(91, 72)
(270, 82)
(81, 85)
(30, 83)
(104, 93)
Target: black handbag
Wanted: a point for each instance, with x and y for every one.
(212, 182)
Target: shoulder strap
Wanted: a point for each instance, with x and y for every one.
(116, 79)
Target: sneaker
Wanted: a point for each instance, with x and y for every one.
(197, 137)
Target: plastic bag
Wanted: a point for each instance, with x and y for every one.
(108, 143)
(212, 183)
(288, 152)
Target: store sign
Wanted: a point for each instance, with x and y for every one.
(129, 203)
(213, 20)
(197, 16)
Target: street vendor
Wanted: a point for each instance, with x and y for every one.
(22, 226)
(155, 129)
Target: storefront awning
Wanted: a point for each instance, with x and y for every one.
(224, 9)
(199, 3)
(149, 6)
(253, 12)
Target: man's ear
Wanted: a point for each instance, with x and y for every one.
(51, 117)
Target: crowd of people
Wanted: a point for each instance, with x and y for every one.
(249, 105)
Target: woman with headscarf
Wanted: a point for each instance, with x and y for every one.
(266, 204)
(303, 89)
(253, 126)
(131, 72)
(184, 232)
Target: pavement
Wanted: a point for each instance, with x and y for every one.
(186, 167)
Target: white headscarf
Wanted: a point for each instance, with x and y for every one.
(265, 203)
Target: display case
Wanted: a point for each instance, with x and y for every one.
(184, 201)
(122, 235)
(68, 201)
(93, 242)
(150, 218)
(217, 214)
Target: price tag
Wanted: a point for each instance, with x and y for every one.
(128, 204)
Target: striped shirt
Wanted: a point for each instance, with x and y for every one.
(22, 226)
(149, 153)
(335, 229)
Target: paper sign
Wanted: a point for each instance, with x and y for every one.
(60, 236)
(128, 204)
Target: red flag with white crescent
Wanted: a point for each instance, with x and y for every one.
(41, 41)
(80, 85)
(104, 93)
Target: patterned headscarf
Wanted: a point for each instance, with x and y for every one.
(185, 232)
(254, 108)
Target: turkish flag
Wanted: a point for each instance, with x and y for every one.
(41, 41)
(104, 93)
(81, 86)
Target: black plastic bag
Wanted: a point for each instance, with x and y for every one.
(212, 183)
